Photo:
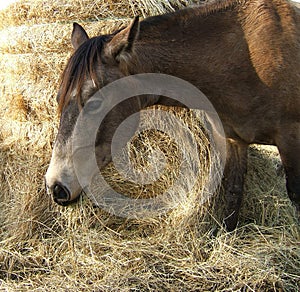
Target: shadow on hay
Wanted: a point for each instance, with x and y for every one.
(266, 201)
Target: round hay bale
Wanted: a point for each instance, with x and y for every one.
(54, 37)
(28, 84)
(40, 11)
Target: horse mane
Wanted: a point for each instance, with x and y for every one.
(218, 5)
(199, 9)
(80, 66)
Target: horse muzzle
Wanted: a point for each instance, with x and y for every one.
(61, 194)
(63, 187)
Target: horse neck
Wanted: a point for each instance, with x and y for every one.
(167, 43)
(173, 44)
(157, 47)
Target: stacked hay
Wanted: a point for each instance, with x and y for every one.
(45, 247)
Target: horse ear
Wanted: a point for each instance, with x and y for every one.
(79, 36)
(123, 41)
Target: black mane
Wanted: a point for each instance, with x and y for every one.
(80, 66)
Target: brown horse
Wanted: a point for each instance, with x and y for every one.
(244, 55)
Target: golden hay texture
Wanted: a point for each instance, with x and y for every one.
(44, 247)
(41, 11)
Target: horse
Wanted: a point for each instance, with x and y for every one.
(244, 55)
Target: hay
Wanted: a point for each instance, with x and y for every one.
(40, 11)
(47, 247)
(43, 38)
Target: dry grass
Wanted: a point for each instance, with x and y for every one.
(40, 11)
(44, 247)
(44, 12)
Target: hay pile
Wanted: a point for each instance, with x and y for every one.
(46, 247)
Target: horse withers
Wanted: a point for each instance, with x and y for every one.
(243, 55)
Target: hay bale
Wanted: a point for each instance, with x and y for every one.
(44, 246)
(54, 38)
(40, 11)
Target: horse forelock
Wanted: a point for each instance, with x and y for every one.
(80, 67)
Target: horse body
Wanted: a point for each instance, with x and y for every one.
(243, 55)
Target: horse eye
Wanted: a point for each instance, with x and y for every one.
(93, 106)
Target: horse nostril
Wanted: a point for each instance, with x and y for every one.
(60, 194)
